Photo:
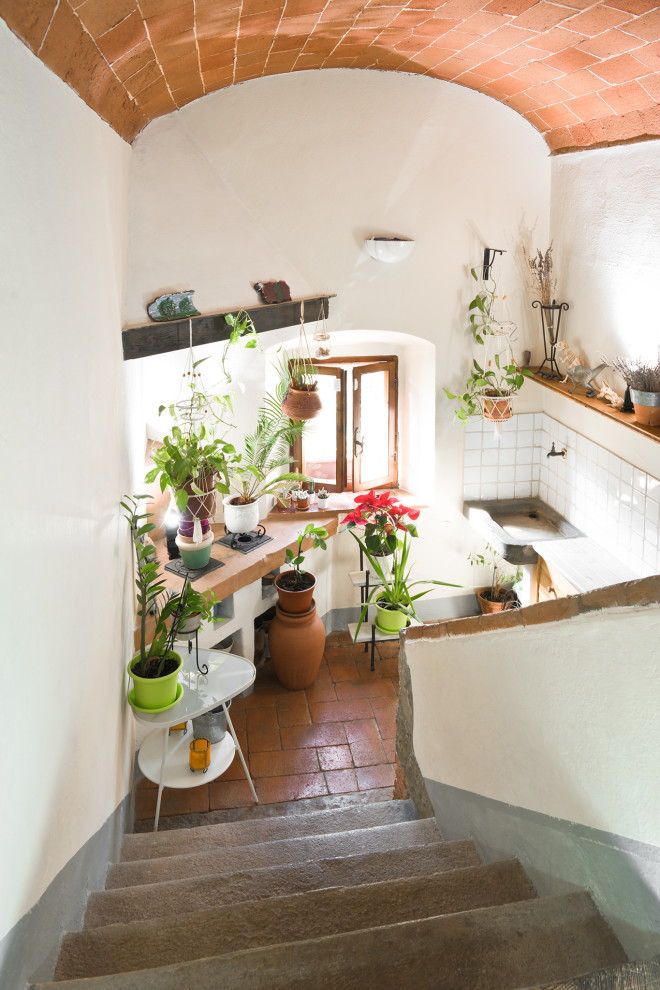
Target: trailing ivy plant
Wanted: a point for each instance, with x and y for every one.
(481, 307)
(502, 381)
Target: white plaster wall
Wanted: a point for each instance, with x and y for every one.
(65, 732)
(284, 177)
(604, 221)
(548, 718)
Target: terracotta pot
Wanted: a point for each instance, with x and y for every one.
(300, 404)
(200, 506)
(296, 645)
(647, 407)
(498, 409)
(487, 606)
(295, 602)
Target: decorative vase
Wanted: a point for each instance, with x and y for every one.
(647, 407)
(195, 555)
(296, 645)
(156, 693)
(390, 620)
(240, 518)
(295, 600)
(301, 403)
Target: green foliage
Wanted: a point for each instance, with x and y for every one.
(500, 576)
(318, 536)
(481, 307)
(151, 591)
(241, 326)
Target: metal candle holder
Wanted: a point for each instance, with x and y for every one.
(550, 336)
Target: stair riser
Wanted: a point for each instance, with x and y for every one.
(305, 916)
(338, 844)
(208, 837)
(156, 900)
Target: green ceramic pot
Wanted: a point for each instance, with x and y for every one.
(390, 620)
(195, 555)
(155, 693)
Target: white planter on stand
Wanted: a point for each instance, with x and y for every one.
(240, 518)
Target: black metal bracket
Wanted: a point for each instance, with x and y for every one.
(489, 260)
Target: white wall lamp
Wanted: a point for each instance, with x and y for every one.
(390, 249)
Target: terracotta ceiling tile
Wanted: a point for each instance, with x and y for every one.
(248, 44)
(558, 138)
(224, 60)
(611, 43)
(626, 97)
(548, 93)
(345, 50)
(457, 39)
(219, 78)
(290, 42)
(523, 103)
(410, 45)
(143, 77)
(428, 58)
(570, 60)
(270, 21)
(556, 40)
(133, 61)
(179, 72)
(590, 107)
(29, 19)
(175, 48)
(558, 115)
(483, 23)
(452, 67)
(217, 22)
(460, 8)
(651, 84)
(581, 82)
(188, 93)
(156, 100)
(581, 136)
(511, 7)
(508, 37)
(647, 26)
(635, 7)
(578, 4)
(267, 6)
(295, 7)
(493, 69)
(620, 69)
(479, 53)
(330, 63)
(544, 16)
(650, 56)
(472, 79)
(536, 73)
(406, 18)
(214, 46)
(434, 27)
(508, 86)
(536, 121)
(651, 121)
(244, 75)
(522, 55)
(128, 34)
(250, 59)
(622, 128)
(99, 16)
(154, 8)
(597, 19)
(304, 23)
(164, 27)
(64, 37)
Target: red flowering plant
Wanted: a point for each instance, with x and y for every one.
(383, 518)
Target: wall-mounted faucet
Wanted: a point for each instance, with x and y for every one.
(556, 453)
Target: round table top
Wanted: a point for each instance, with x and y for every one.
(228, 676)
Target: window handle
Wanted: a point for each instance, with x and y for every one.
(357, 442)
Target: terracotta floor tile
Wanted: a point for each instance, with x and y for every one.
(303, 736)
(386, 724)
(262, 730)
(389, 745)
(363, 730)
(238, 718)
(230, 794)
(283, 763)
(380, 776)
(382, 668)
(379, 688)
(368, 754)
(340, 711)
(258, 699)
(321, 690)
(175, 801)
(341, 781)
(335, 758)
(344, 670)
(385, 704)
(388, 650)
(235, 770)
(297, 714)
(273, 789)
(144, 784)
(290, 699)
(337, 654)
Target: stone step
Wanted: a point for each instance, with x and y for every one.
(207, 837)
(146, 944)
(494, 948)
(159, 900)
(336, 844)
(643, 975)
(325, 802)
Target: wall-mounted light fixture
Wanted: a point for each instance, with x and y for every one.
(390, 249)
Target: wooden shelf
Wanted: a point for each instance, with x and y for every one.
(604, 408)
(174, 335)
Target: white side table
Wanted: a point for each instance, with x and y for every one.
(165, 763)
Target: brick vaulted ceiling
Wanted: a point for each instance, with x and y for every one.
(584, 74)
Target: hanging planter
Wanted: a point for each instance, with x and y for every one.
(496, 408)
(302, 400)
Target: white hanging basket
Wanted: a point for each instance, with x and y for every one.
(496, 408)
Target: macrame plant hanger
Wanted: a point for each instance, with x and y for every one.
(190, 413)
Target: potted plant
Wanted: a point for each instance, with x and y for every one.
(322, 498)
(500, 596)
(643, 380)
(490, 391)
(265, 450)
(155, 668)
(297, 636)
(383, 519)
(301, 400)
(295, 588)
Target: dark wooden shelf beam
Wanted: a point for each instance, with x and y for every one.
(599, 406)
(174, 335)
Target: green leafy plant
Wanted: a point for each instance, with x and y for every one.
(480, 309)
(303, 374)
(152, 593)
(501, 579)
(241, 326)
(318, 536)
(503, 380)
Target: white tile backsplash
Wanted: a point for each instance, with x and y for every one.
(609, 499)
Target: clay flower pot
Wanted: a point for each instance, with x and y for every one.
(200, 506)
(647, 407)
(301, 403)
(488, 607)
(497, 408)
(296, 645)
(291, 599)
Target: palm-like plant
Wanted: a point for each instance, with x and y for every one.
(266, 449)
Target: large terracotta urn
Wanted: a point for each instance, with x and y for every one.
(296, 641)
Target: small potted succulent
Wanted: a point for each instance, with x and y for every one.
(500, 596)
(643, 380)
(322, 498)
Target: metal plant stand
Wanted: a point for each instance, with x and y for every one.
(550, 336)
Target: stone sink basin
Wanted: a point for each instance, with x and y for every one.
(513, 526)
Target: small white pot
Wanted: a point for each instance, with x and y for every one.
(240, 518)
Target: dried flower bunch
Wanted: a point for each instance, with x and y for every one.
(541, 268)
(638, 375)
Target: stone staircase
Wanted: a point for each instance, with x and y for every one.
(360, 897)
